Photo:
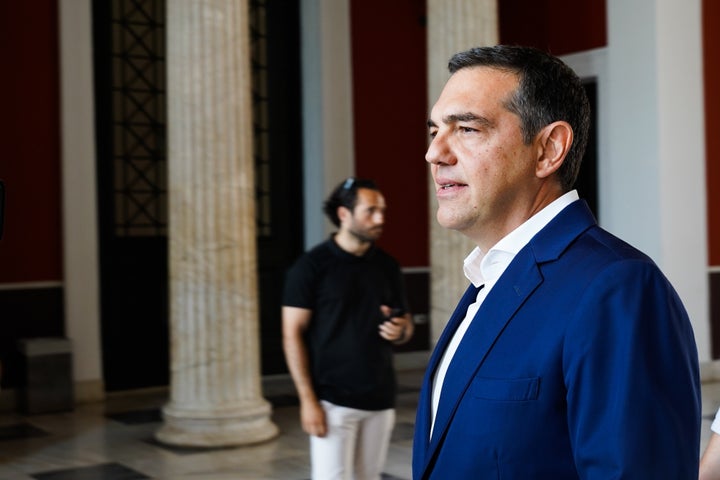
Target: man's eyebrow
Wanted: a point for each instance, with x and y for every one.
(465, 117)
(461, 117)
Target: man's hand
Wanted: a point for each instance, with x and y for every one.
(312, 417)
(396, 329)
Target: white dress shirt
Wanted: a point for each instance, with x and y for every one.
(486, 269)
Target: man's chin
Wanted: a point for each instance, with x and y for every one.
(449, 221)
(444, 219)
(368, 236)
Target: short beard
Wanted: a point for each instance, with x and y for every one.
(362, 237)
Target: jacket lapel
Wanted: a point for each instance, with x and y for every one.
(508, 294)
(423, 417)
(457, 317)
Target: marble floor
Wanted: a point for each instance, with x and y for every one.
(114, 440)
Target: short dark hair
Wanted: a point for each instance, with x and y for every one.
(345, 195)
(548, 91)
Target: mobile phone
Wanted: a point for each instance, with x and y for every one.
(395, 312)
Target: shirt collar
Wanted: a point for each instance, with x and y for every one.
(485, 268)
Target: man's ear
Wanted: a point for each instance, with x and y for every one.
(343, 213)
(554, 143)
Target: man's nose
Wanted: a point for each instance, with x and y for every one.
(438, 151)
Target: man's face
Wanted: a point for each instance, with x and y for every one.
(483, 171)
(366, 221)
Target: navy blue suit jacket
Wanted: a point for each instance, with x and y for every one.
(580, 363)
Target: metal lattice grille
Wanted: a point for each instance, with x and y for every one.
(261, 131)
(139, 118)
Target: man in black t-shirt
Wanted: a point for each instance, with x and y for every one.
(344, 307)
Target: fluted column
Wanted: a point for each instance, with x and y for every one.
(453, 25)
(215, 391)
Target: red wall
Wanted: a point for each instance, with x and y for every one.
(711, 66)
(557, 26)
(390, 105)
(29, 132)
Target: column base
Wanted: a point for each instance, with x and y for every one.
(217, 428)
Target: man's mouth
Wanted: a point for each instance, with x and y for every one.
(451, 185)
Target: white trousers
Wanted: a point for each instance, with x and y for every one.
(356, 445)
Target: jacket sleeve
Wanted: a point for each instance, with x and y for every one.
(631, 372)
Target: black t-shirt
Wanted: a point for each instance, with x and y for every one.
(351, 365)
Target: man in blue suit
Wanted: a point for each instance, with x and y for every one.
(570, 356)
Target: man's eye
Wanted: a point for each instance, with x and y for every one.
(467, 129)
(433, 133)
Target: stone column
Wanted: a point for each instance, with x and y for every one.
(215, 391)
(453, 25)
